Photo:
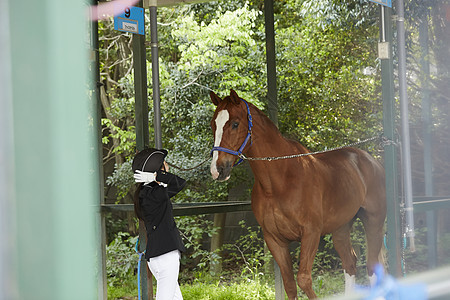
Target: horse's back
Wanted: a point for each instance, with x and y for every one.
(355, 163)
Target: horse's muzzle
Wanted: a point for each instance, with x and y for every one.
(221, 172)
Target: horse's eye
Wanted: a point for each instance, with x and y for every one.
(235, 125)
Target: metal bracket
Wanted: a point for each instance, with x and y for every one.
(148, 3)
(383, 50)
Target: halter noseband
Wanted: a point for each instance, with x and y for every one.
(247, 138)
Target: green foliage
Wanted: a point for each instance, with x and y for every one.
(326, 99)
(444, 246)
(121, 259)
(114, 226)
(126, 137)
(122, 178)
(239, 291)
(247, 253)
(126, 290)
(194, 229)
(205, 289)
(223, 47)
(417, 261)
(326, 258)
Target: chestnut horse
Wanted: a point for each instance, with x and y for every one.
(301, 198)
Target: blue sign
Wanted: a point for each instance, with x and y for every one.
(387, 3)
(130, 19)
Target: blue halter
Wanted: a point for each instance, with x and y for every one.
(247, 138)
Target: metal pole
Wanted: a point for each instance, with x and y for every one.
(272, 105)
(155, 76)
(142, 134)
(427, 133)
(8, 276)
(97, 114)
(271, 63)
(390, 151)
(140, 87)
(406, 147)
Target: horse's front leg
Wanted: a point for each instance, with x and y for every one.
(280, 252)
(309, 245)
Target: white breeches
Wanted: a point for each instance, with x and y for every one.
(165, 268)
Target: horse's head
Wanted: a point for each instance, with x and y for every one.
(231, 128)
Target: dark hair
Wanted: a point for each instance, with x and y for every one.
(137, 203)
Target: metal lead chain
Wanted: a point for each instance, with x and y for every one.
(271, 158)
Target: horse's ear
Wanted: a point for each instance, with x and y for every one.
(234, 97)
(214, 98)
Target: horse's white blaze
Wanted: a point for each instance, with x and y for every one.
(349, 283)
(222, 118)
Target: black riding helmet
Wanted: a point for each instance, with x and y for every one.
(149, 160)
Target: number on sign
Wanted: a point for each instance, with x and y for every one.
(127, 12)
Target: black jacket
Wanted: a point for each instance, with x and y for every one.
(157, 210)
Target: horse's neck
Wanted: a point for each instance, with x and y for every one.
(268, 141)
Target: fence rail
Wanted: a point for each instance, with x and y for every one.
(189, 209)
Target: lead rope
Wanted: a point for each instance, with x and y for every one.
(136, 248)
(189, 169)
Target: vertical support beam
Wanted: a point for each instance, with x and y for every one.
(142, 134)
(56, 176)
(426, 107)
(155, 84)
(404, 111)
(279, 288)
(272, 105)
(155, 76)
(140, 87)
(271, 63)
(427, 139)
(8, 276)
(390, 151)
(102, 293)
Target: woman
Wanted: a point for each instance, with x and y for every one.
(152, 205)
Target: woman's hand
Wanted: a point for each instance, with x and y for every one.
(145, 177)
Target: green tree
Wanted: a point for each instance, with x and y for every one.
(329, 90)
(218, 53)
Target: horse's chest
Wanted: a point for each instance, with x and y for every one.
(287, 213)
(280, 222)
